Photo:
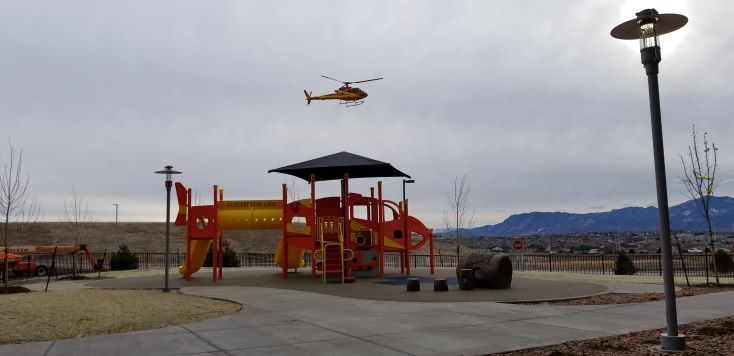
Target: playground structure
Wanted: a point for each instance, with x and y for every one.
(347, 236)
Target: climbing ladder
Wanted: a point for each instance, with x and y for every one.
(330, 258)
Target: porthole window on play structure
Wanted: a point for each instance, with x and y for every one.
(202, 222)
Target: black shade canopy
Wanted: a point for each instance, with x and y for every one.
(334, 166)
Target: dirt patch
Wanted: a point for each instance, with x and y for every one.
(13, 290)
(710, 337)
(68, 313)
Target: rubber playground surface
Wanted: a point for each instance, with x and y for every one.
(391, 287)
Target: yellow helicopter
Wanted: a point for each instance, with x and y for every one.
(349, 96)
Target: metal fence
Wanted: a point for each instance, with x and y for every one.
(646, 264)
(694, 265)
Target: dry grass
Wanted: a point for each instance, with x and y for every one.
(150, 237)
(139, 237)
(68, 313)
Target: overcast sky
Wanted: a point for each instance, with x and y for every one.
(533, 100)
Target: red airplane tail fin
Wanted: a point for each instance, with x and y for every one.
(182, 195)
(308, 97)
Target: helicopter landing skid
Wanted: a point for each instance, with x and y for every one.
(350, 104)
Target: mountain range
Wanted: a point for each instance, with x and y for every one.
(686, 216)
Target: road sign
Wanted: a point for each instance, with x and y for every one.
(517, 245)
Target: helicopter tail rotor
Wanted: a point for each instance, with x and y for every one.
(308, 97)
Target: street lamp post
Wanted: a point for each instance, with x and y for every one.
(168, 172)
(409, 181)
(116, 206)
(647, 27)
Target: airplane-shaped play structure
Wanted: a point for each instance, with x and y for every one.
(347, 236)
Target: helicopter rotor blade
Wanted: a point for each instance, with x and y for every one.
(336, 80)
(362, 81)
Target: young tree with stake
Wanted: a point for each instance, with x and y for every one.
(13, 197)
(460, 214)
(699, 178)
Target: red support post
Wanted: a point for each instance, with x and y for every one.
(380, 220)
(347, 226)
(313, 226)
(188, 235)
(215, 255)
(221, 241)
(370, 216)
(284, 227)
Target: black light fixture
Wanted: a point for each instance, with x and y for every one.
(408, 181)
(168, 171)
(648, 25)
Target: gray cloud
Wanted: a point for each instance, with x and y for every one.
(533, 100)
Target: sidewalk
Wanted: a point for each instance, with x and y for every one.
(275, 321)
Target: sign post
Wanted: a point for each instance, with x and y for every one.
(517, 245)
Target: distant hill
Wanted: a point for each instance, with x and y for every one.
(685, 216)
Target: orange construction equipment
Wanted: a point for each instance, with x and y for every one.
(96, 264)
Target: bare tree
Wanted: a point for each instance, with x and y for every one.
(28, 216)
(699, 178)
(293, 194)
(76, 215)
(460, 214)
(13, 196)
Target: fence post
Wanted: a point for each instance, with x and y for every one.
(550, 262)
(603, 270)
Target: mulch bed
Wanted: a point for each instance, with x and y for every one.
(708, 337)
(628, 298)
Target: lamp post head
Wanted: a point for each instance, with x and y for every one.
(168, 171)
(646, 27)
(408, 181)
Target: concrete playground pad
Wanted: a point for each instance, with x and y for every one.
(391, 287)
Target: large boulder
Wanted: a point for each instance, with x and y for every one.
(490, 270)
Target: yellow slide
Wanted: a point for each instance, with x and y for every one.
(295, 256)
(199, 248)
